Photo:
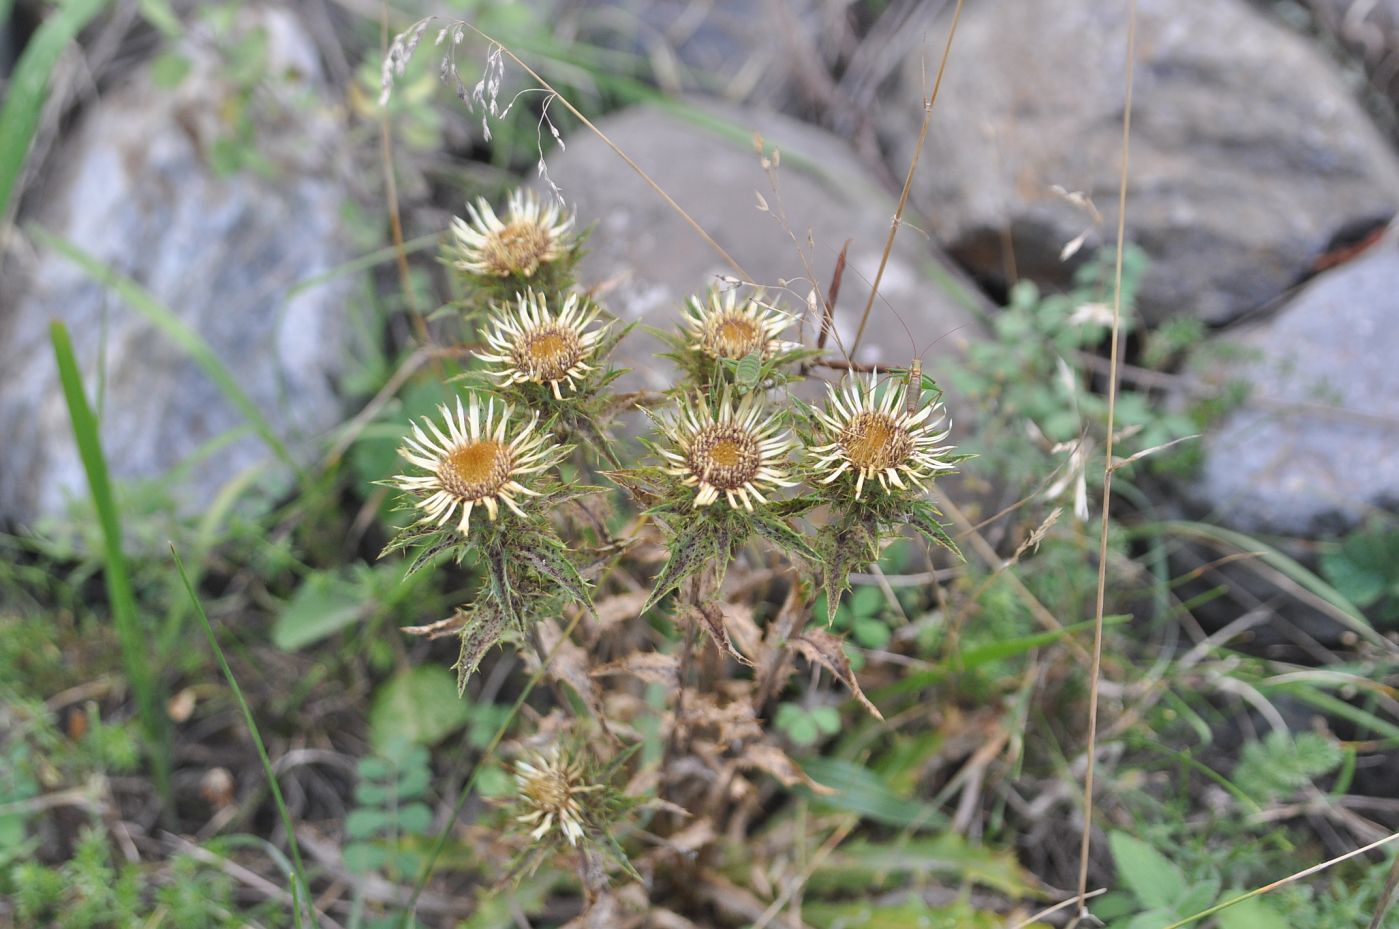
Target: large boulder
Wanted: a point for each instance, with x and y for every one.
(649, 260)
(758, 51)
(133, 186)
(1247, 154)
(1314, 449)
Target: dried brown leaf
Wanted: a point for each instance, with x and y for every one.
(569, 664)
(774, 761)
(619, 608)
(651, 667)
(739, 621)
(711, 618)
(820, 647)
(440, 629)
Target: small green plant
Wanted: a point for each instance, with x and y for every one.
(1281, 763)
(1157, 892)
(806, 726)
(1364, 567)
(89, 892)
(390, 819)
(865, 615)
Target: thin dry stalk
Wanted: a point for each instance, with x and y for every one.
(908, 180)
(1108, 469)
(1386, 895)
(405, 280)
(1291, 878)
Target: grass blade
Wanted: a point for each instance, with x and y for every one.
(1341, 609)
(130, 636)
(143, 302)
(299, 890)
(29, 86)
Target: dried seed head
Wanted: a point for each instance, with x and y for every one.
(475, 461)
(531, 235)
(533, 344)
(729, 452)
(551, 790)
(880, 438)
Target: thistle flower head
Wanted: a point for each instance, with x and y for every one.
(880, 438)
(532, 234)
(733, 452)
(476, 460)
(532, 343)
(722, 327)
(551, 793)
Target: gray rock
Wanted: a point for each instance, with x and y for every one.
(758, 51)
(1247, 153)
(649, 260)
(133, 187)
(1287, 463)
(1368, 31)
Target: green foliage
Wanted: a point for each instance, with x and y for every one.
(807, 726)
(419, 705)
(1364, 567)
(386, 829)
(1030, 370)
(89, 892)
(1157, 891)
(27, 89)
(1282, 763)
(867, 793)
(865, 615)
(329, 601)
(121, 598)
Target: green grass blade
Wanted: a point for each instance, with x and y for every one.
(29, 86)
(1345, 612)
(300, 889)
(130, 636)
(141, 300)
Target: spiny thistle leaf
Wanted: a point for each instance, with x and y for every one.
(854, 545)
(696, 546)
(483, 629)
(558, 568)
(924, 518)
(784, 537)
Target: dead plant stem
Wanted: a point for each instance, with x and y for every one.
(1097, 664)
(908, 179)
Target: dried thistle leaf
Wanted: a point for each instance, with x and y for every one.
(440, 629)
(820, 647)
(741, 626)
(569, 665)
(774, 761)
(619, 608)
(651, 667)
(711, 619)
(481, 630)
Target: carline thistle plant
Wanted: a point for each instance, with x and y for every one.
(498, 475)
(533, 245)
(725, 339)
(872, 450)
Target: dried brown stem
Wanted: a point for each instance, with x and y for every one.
(908, 180)
(1108, 470)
